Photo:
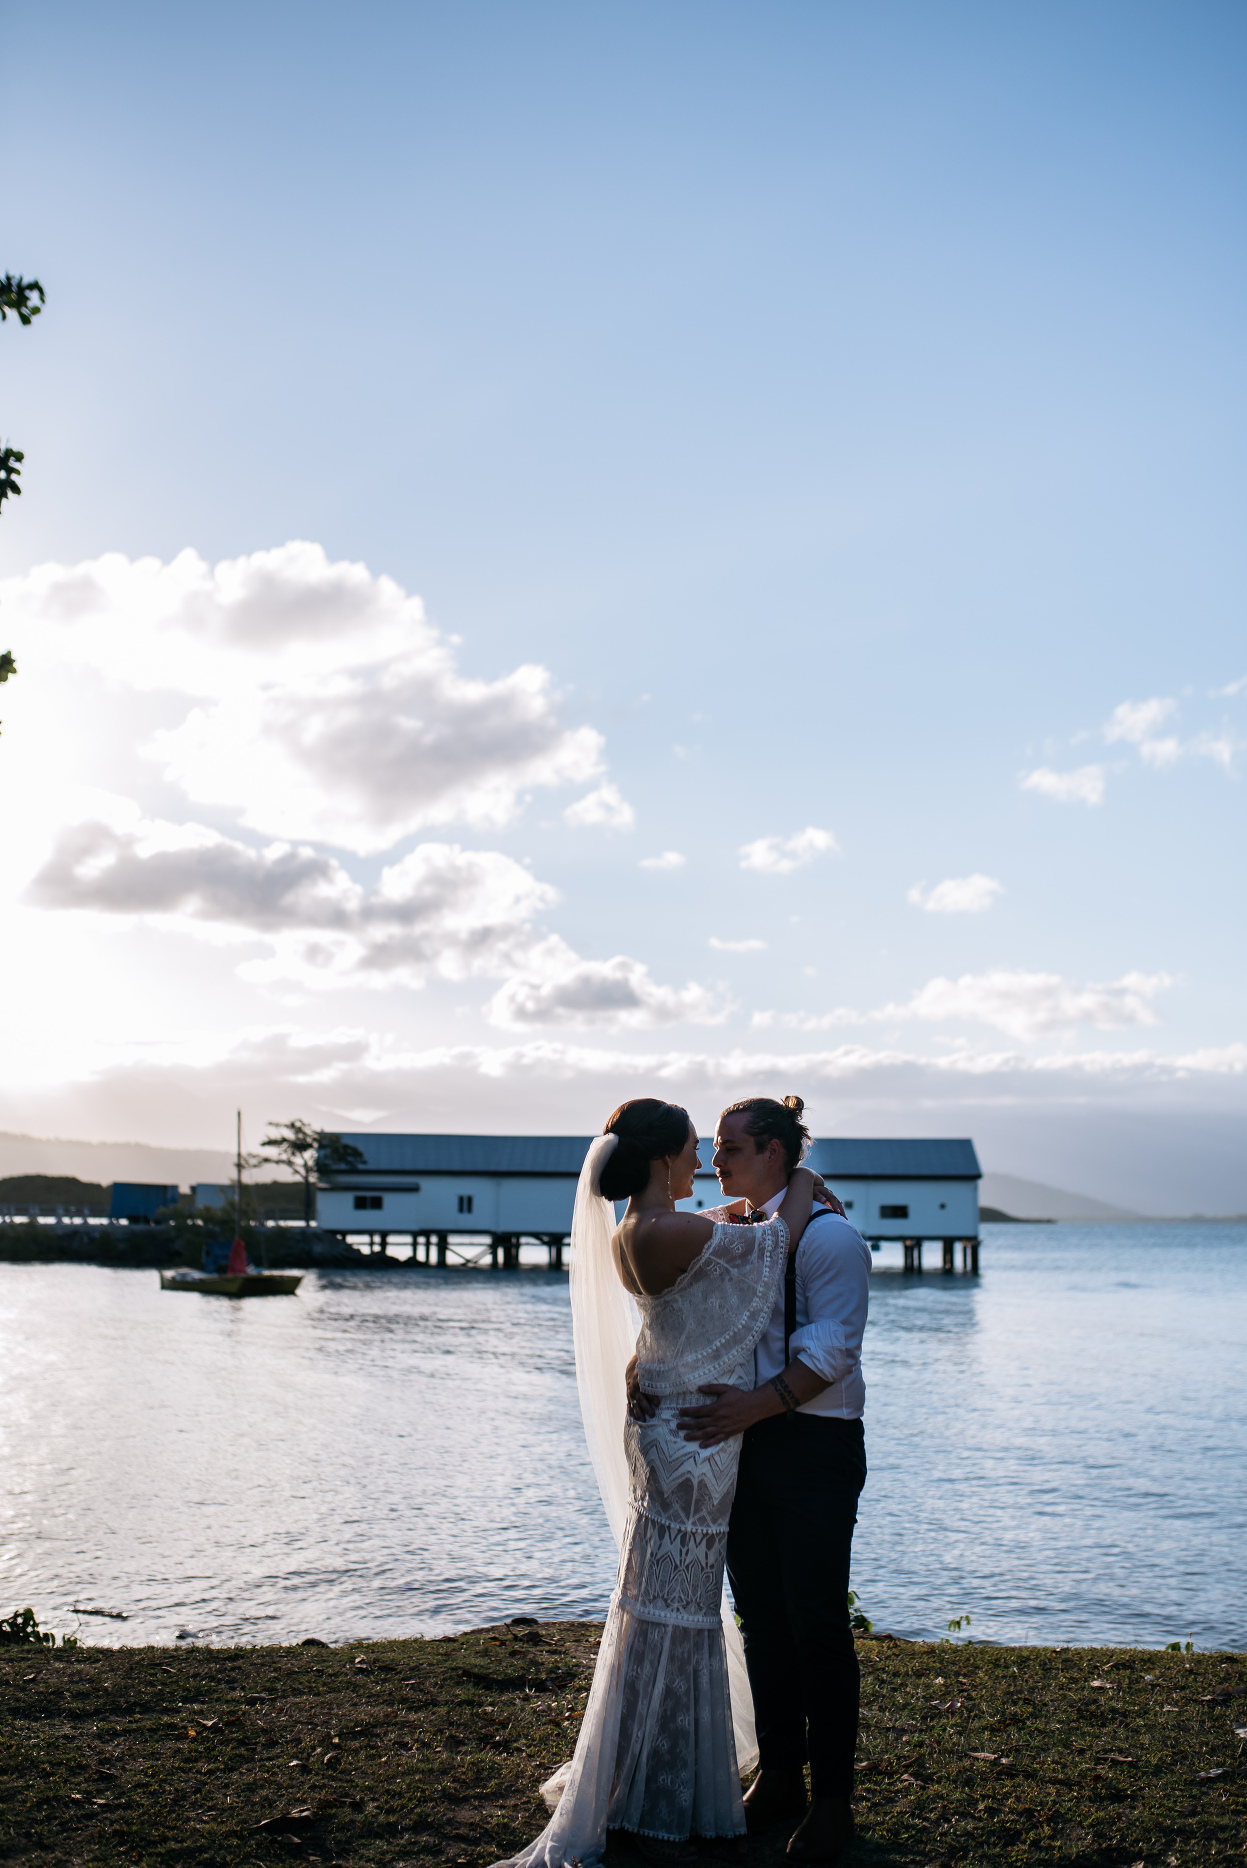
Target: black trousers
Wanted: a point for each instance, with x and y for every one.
(788, 1547)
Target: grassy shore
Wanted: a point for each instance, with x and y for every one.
(431, 1751)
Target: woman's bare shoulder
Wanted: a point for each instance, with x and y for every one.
(661, 1245)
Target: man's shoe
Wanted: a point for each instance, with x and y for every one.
(824, 1835)
(772, 1795)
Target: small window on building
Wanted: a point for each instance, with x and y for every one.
(847, 1205)
(894, 1212)
(465, 1202)
(700, 1204)
(369, 1202)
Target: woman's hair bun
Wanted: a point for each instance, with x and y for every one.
(647, 1130)
(625, 1170)
(795, 1104)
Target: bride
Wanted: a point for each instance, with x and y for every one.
(656, 1754)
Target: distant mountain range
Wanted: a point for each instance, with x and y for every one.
(1030, 1199)
(138, 1161)
(104, 1162)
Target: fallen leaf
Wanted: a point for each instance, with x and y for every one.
(1107, 1683)
(1203, 1776)
(988, 1757)
(285, 1825)
(1240, 1731)
(1114, 1758)
(1171, 1708)
(190, 1731)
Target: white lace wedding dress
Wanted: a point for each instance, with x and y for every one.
(656, 1752)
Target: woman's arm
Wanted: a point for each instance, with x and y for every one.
(797, 1204)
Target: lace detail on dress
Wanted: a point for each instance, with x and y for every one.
(656, 1753)
(715, 1312)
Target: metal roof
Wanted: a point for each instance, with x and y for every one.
(563, 1155)
(466, 1154)
(849, 1159)
(844, 1158)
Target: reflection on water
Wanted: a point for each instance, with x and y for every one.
(1055, 1447)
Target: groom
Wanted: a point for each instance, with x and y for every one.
(802, 1466)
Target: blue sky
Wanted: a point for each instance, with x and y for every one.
(842, 404)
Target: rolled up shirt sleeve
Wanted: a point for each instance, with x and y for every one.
(833, 1297)
(822, 1348)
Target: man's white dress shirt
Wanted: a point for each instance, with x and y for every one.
(833, 1295)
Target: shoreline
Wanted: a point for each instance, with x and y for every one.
(432, 1750)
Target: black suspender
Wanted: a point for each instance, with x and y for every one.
(790, 1301)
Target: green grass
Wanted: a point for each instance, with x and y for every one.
(431, 1751)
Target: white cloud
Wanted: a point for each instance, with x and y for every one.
(1083, 786)
(318, 700)
(736, 946)
(670, 859)
(605, 808)
(1161, 752)
(617, 993)
(1023, 1005)
(1136, 721)
(1028, 1005)
(957, 895)
(778, 856)
(1232, 687)
(440, 909)
(1222, 748)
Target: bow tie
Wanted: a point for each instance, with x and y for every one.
(759, 1217)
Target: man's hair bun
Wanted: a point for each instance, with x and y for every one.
(772, 1121)
(648, 1130)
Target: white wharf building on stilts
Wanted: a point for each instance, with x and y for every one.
(475, 1198)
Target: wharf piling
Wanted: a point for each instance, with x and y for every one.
(969, 1255)
(499, 1250)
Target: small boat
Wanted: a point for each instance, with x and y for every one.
(239, 1278)
(235, 1284)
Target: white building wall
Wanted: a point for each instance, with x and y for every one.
(500, 1203)
(934, 1209)
(534, 1203)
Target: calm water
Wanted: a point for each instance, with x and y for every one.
(1056, 1448)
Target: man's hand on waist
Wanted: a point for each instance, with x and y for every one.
(729, 1412)
(733, 1410)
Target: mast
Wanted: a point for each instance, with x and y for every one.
(238, 1176)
